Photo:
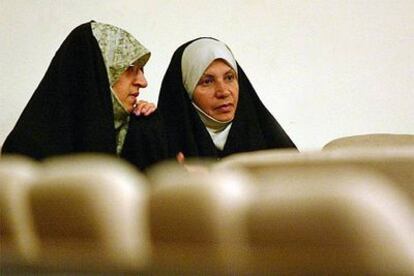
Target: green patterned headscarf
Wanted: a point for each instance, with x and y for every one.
(119, 49)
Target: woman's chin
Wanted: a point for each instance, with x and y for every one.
(224, 117)
(129, 108)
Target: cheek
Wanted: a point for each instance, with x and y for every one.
(119, 91)
(203, 104)
(236, 98)
(203, 99)
(122, 85)
(236, 93)
(235, 88)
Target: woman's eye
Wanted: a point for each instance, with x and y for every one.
(230, 77)
(206, 81)
(134, 69)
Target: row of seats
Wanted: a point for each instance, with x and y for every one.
(278, 211)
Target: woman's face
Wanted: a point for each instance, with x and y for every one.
(217, 91)
(128, 84)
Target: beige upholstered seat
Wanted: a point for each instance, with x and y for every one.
(395, 163)
(330, 221)
(198, 220)
(375, 140)
(90, 215)
(331, 212)
(17, 239)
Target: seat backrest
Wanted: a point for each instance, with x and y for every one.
(89, 213)
(197, 219)
(325, 220)
(394, 163)
(375, 140)
(19, 245)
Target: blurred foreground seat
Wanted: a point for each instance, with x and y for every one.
(197, 220)
(269, 212)
(19, 246)
(330, 221)
(375, 140)
(330, 212)
(394, 163)
(89, 214)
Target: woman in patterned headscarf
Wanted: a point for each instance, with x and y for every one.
(210, 108)
(85, 101)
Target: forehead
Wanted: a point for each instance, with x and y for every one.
(218, 66)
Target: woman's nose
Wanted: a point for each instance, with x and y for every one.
(140, 79)
(222, 89)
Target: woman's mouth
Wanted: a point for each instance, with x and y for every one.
(135, 95)
(225, 108)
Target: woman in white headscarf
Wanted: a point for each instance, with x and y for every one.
(87, 98)
(210, 108)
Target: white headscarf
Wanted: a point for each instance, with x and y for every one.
(198, 56)
(195, 59)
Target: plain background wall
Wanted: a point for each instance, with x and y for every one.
(324, 68)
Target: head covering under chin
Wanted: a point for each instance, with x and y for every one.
(196, 58)
(71, 111)
(253, 127)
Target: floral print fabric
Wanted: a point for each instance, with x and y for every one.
(119, 49)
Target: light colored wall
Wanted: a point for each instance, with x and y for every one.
(324, 68)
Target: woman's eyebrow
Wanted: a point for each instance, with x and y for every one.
(205, 75)
(212, 75)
